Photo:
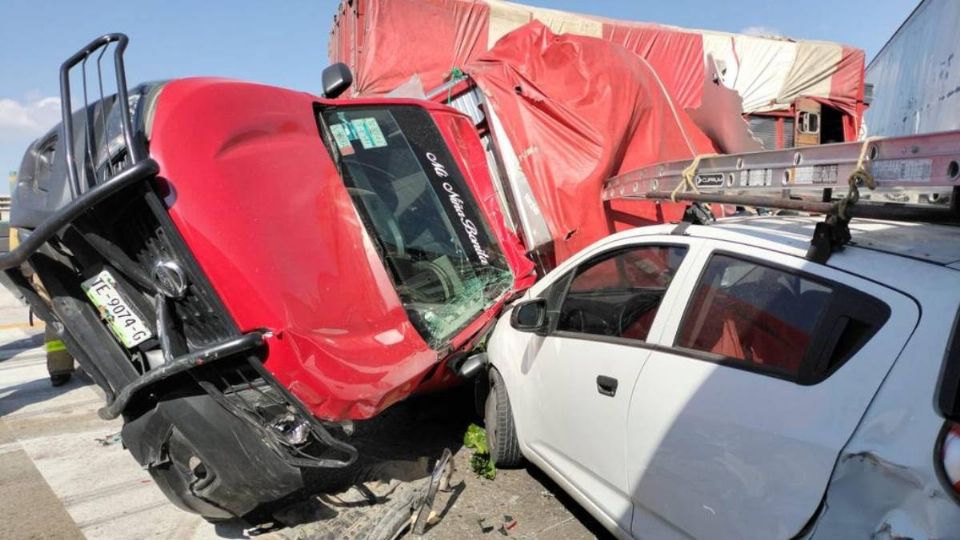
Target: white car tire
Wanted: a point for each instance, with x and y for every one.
(498, 419)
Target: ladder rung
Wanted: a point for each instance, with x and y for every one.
(930, 162)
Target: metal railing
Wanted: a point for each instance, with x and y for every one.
(81, 57)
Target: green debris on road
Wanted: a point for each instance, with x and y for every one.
(476, 439)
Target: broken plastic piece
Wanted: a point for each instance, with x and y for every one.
(485, 525)
(509, 523)
(110, 439)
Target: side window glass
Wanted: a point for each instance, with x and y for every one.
(809, 122)
(618, 295)
(754, 314)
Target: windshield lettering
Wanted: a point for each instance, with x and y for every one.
(468, 226)
(438, 167)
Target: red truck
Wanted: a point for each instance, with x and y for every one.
(245, 269)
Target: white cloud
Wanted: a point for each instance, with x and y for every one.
(28, 119)
(761, 31)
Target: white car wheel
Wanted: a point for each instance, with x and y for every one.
(498, 418)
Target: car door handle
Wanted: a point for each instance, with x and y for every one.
(607, 386)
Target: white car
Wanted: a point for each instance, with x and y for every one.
(710, 382)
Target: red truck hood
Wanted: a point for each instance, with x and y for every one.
(259, 202)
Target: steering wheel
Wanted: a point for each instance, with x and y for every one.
(380, 216)
(578, 320)
(633, 311)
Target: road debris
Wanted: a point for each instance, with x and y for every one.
(485, 525)
(476, 439)
(109, 439)
(509, 523)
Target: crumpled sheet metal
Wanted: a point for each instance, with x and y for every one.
(870, 497)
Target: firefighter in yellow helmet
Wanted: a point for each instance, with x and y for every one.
(59, 361)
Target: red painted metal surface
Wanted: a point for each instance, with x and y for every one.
(258, 200)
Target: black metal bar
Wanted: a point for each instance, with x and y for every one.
(178, 365)
(88, 131)
(859, 210)
(132, 149)
(66, 103)
(103, 100)
(436, 477)
(164, 326)
(46, 230)
(120, 260)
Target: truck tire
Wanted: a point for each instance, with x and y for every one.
(501, 431)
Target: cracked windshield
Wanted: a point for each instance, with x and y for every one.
(444, 261)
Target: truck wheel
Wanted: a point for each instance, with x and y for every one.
(498, 418)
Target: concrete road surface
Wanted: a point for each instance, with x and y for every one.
(64, 474)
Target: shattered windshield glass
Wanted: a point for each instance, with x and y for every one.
(412, 197)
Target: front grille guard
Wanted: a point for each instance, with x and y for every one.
(87, 161)
(89, 191)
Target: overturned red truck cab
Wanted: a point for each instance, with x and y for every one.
(244, 270)
(365, 232)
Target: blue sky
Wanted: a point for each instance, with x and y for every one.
(284, 42)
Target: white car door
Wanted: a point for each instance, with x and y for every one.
(578, 379)
(763, 372)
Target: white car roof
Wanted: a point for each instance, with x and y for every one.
(937, 244)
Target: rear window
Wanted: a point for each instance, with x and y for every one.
(755, 314)
(759, 317)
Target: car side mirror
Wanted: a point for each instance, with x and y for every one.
(530, 316)
(336, 79)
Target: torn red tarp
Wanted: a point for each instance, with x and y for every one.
(578, 110)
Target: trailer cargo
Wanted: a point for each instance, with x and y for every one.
(916, 75)
(783, 82)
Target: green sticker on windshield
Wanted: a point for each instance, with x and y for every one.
(340, 136)
(369, 133)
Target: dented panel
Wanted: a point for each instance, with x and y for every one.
(871, 497)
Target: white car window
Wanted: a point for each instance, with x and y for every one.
(757, 316)
(618, 294)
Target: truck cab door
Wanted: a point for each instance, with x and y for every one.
(807, 122)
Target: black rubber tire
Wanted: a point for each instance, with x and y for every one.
(501, 431)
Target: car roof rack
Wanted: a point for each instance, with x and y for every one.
(911, 178)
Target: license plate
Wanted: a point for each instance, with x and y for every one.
(123, 321)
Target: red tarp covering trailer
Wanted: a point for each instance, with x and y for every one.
(387, 41)
(578, 110)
